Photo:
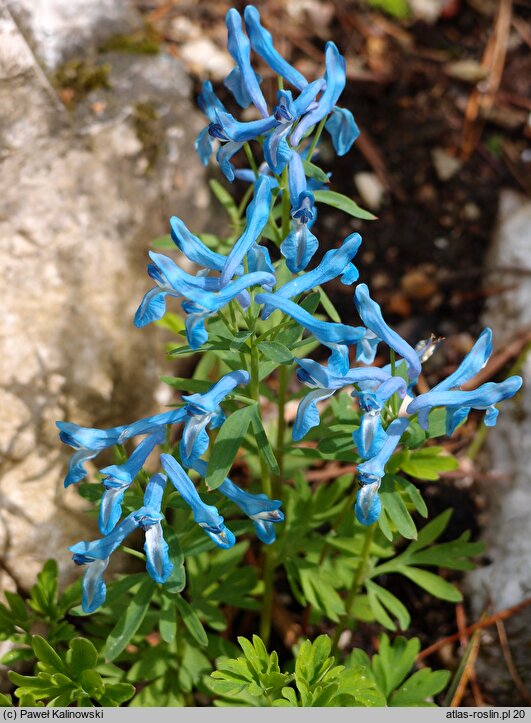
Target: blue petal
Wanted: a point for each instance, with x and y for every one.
(265, 531)
(93, 586)
(308, 413)
(239, 47)
(194, 441)
(473, 363)
(374, 468)
(149, 424)
(296, 178)
(152, 307)
(343, 130)
(206, 516)
(76, 470)
(312, 373)
(111, 508)
(368, 505)
(370, 437)
(330, 334)
(194, 249)
(88, 437)
(335, 77)
(203, 146)
(277, 152)
(371, 315)
(223, 156)
(454, 417)
(262, 44)
(209, 401)
(256, 218)
(305, 100)
(196, 333)
(214, 300)
(209, 103)
(333, 264)
(258, 259)
(158, 564)
(242, 131)
(298, 247)
(127, 471)
(235, 82)
(481, 398)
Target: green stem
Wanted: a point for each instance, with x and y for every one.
(250, 158)
(286, 204)
(316, 138)
(354, 588)
(283, 377)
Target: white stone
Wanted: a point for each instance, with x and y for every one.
(370, 188)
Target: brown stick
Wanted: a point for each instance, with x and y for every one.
(491, 620)
(468, 672)
(511, 667)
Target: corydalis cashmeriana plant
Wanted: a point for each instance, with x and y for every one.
(238, 303)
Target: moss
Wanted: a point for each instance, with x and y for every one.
(148, 132)
(145, 41)
(76, 78)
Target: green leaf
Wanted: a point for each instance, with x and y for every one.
(173, 323)
(127, 625)
(47, 655)
(262, 441)
(434, 584)
(343, 203)
(395, 508)
(168, 620)
(437, 423)
(5, 700)
(227, 444)
(392, 603)
(328, 306)
(226, 200)
(428, 463)
(82, 655)
(177, 580)
(423, 684)
(313, 171)
(191, 620)
(394, 661)
(275, 351)
(431, 531)
(185, 384)
(413, 493)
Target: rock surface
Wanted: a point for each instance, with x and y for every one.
(507, 580)
(82, 192)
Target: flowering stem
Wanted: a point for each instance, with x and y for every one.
(356, 584)
(250, 158)
(316, 138)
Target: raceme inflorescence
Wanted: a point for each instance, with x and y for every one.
(253, 303)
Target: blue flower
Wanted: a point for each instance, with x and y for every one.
(324, 383)
(95, 555)
(118, 478)
(343, 130)
(206, 516)
(256, 217)
(264, 512)
(205, 294)
(208, 103)
(458, 404)
(337, 337)
(239, 47)
(335, 78)
(336, 262)
(368, 504)
(300, 244)
(203, 410)
(89, 442)
(371, 315)
(262, 44)
(370, 437)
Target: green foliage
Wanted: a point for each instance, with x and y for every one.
(343, 203)
(255, 679)
(67, 679)
(389, 671)
(44, 608)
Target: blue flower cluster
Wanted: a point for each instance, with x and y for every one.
(285, 137)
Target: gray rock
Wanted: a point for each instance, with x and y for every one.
(507, 580)
(81, 195)
(62, 29)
